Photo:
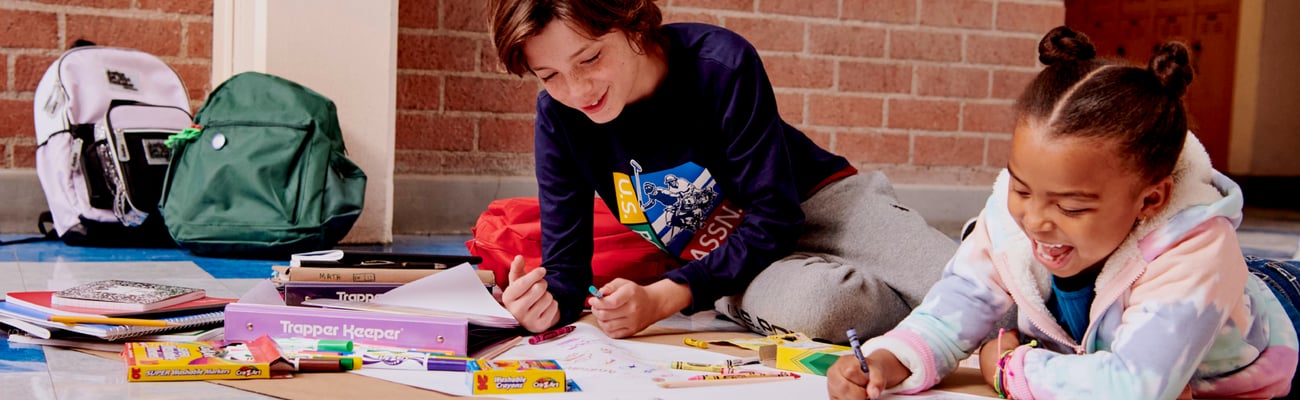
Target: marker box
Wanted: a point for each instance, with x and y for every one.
(515, 376)
(191, 361)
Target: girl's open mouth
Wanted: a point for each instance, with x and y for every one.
(1053, 256)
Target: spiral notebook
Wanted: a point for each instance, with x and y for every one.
(107, 332)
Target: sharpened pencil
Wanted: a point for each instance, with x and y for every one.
(719, 382)
(78, 319)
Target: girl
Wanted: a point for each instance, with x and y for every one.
(1113, 239)
(676, 128)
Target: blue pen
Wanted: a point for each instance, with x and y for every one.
(595, 292)
(857, 349)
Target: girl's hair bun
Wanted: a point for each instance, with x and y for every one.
(1064, 44)
(1172, 64)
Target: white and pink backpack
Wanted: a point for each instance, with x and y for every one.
(102, 116)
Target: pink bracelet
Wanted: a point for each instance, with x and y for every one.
(999, 339)
(997, 377)
(999, 385)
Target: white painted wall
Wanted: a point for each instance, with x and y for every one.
(1265, 125)
(343, 49)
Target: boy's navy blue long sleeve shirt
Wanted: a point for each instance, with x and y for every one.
(705, 168)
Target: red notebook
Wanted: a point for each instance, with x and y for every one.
(41, 301)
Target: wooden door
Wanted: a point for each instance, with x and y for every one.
(1131, 29)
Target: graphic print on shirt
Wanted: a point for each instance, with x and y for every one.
(679, 209)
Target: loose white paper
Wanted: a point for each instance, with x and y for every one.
(456, 289)
(263, 292)
(608, 368)
(296, 260)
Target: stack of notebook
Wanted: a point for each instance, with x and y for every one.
(102, 314)
(361, 275)
(447, 312)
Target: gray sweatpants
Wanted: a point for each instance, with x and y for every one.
(863, 261)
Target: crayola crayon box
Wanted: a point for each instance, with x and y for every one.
(803, 356)
(192, 361)
(515, 376)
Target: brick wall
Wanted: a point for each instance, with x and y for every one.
(34, 33)
(918, 88)
(921, 89)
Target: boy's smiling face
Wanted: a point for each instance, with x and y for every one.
(1076, 198)
(598, 76)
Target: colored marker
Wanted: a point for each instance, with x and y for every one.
(323, 364)
(412, 361)
(325, 355)
(372, 347)
(551, 335)
(314, 344)
(595, 292)
(857, 349)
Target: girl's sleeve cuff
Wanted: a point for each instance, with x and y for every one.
(1016, 386)
(912, 351)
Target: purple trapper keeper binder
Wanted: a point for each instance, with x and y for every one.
(246, 321)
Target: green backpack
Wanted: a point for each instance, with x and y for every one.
(262, 174)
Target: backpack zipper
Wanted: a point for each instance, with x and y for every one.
(223, 124)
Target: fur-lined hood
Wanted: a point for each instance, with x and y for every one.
(1199, 193)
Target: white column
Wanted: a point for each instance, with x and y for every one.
(343, 49)
(1241, 136)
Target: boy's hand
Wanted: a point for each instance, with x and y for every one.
(628, 307)
(845, 379)
(989, 353)
(528, 300)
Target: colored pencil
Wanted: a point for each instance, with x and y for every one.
(76, 319)
(719, 382)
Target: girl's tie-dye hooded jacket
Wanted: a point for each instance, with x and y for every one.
(1176, 314)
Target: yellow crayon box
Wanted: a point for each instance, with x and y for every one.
(192, 361)
(515, 376)
(803, 356)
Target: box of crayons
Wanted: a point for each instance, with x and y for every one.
(803, 356)
(191, 361)
(515, 376)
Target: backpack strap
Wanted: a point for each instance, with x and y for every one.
(47, 233)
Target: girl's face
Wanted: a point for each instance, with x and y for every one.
(597, 76)
(1076, 198)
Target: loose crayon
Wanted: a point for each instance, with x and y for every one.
(550, 335)
(690, 366)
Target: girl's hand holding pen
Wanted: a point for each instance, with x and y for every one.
(527, 298)
(845, 379)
